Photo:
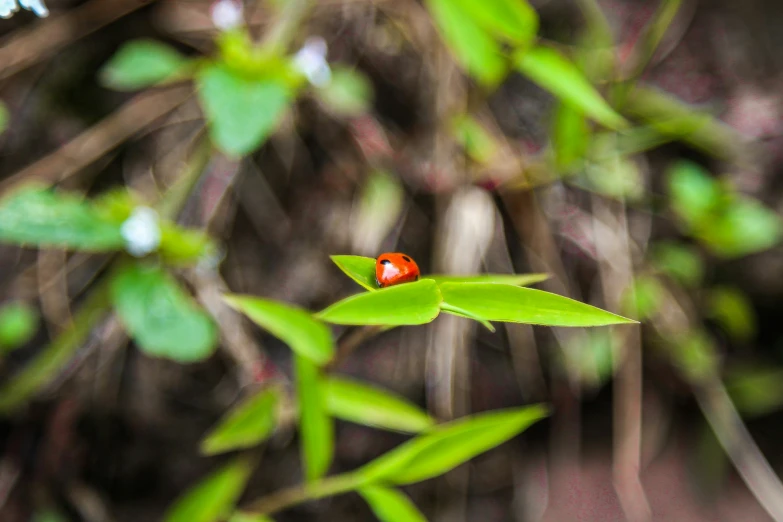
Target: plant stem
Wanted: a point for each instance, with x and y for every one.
(298, 494)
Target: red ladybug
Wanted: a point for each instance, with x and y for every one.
(395, 268)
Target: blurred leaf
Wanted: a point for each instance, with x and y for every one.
(5, 117)
(49, 515)
(671, 117)
(247, 425)
(570, 136)
(45, 218)
(616, 176)
(756, 391)
(513, 20)
(405, 304)
(363, 404)
(479, 145)
(116, 205)
(390, 505)
(744, 228)
(241, 112)
(473, 48)
(213, 497)
(594, 355)
(679, 262)
(18, 323)
(653, 34)
(506, 279)
(377, 210)
(349, 92)
(449, 445)
(141, 63)
(183, 246)
(161, 317)
(239, 516)
(733, 311)
(315, 426)
(643, 299)
(292, 325)
(498, 302)
(360, 269)
(554, 72)
(694, 353)
(695, 195)
(50, 361)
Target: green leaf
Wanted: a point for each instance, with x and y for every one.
(183, 246)
(570, 136)
(756, 391)
(477, 142)
(554, 72)
(247, 425)
(506, 279)
(695, 195)
(241, 112)
(390, 505)
(459, 312)
(239, 516)
(376, 210)
(513, 20)
(294, 326)
(371, 406)
(473, 48)
(733, 311)
(744, 228)
(45, 218)
(161, 317)
(450, 445)
(213, 497)
(360, 269)
(5, 117)
(498, 302)
(695, 355)
(678, 261)
(315, 425)
(141, 63)
(18, 323)
(644, 297)
(405, 304)
(348, 93)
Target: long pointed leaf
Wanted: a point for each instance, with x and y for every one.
(390, 505)
(315, 426)
(211, 498)
(247, 425)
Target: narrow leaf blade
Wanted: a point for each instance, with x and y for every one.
(498, 302)
(514, 20)
(294, 326)
(315, 425)
(359, 268)
(363, 404)
(506, 279)
(162, 318)
(247, 425)
(141, 63)
(390, 505)
(211, 498)
(405, 304)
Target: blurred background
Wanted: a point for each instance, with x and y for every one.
(668, 213)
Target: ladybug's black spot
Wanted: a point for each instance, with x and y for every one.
(385, 261)
(407, 259)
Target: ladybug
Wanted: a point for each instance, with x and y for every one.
(395, 268)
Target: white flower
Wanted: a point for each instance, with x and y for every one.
(227, 14)
(311, 62)
(9, 7)
(141, 232)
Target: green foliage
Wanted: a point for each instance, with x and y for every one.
(363, 404)
(181, 246)
(390, 505)
(554, 72)
(378, 208)
(241, 112)
(360, 269)
(644, 298)
(212, 498)
(239, 516)
(512, 20)
(506, 279)
(475, 50)
(570, 136)
(5, 117)
(680, 262)
(45, 218)
(315, 425)
(732, 310)
(728, 224)
(477, 142)
(449, 445)
(141, 63)
(407, 304)
(161, 316)
(349, 93)
(294, 326)
(247, 425)
(18, 323)
(694, 353)
(756, 390)
(498, 302)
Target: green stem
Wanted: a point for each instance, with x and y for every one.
(296, 495)
(460, 312)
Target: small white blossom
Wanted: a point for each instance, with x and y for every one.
(9, 7)
(227, 14)
(141, 232)
(310, 60)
